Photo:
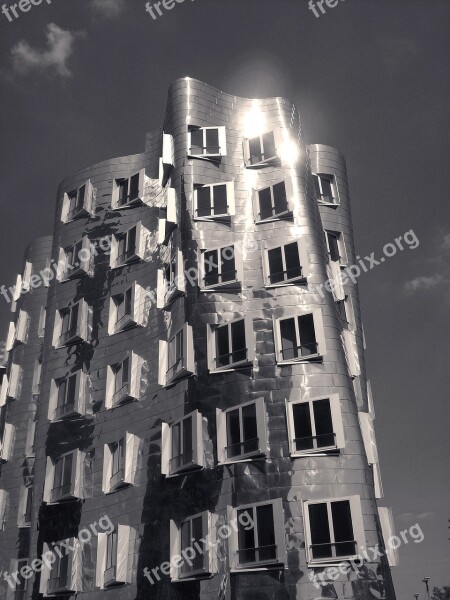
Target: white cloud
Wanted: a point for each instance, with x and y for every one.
(410, 517)
(446, 242)
(423, 283)
(108, 8)
(59, 49)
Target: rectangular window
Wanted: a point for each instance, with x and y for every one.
(120, 463)
(325, 189)
(334, 529)
(259, 541)
(111, 558)
(41, 326)
(286, 264)
(128, 309)
(126, 246)
(261, 149)
(315, 425)
(335, 247)
(242, 432)
(207, 141)
(123, 380)
(297, 338)
(117, 464)
(72, 324)
(168, 216)
(25, 506)
(171, 282)
(78, 202)
(72, 256)
(114, 553)
(124, 309)
(60, 575)
(21, 582)
(176, 356)
(129, 246)
(231, 346)
(219, 268)
(272, 202)
(22, 327)
(214, 201)
(68, 396)
(69, 325)
(67, 389)
(64, 477)
(62, 483)
(188, 536)
(182, 445)
(122, 374)
(129, 191)
(6, 441)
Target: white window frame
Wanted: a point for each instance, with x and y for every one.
(231, 208)
(131, 202)
(249, 341)
(205, 155)
(304, 264)
(22, 327)
(15, 566)
(127, 470)
(350, 347)
(198, 450)
(74, 570)
(169, 290)
(86, 209)
(336, 417)
(332, 179)
(7, 442)
(123, 559)
(26, 278)
(76, 483)
(80, 263)
(319, 332)
(139, 308)
(279, 530)
(222, 431)
(186, 363)
(238, 264)
(80, 397)
(287, 214)
(167, 159)
(22, 510)
(81, 332)
(141, 245)
(341, 246)
(357, 525)
(208, 568)
(266, 161)
(132, 389)
(168, 215)
(11, 384)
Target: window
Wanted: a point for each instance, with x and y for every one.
(3, 507)
(128, 309)
(176, 356)
(78, 202)
(286, 264)
(75, 260)
(191, 533)
(72, 324)
(168, 218)
(335, 246)
(333, 529)
(171, 282)
(182, 445)
(299, 338)
(114, 557)
(325, 189)
(123, 380)
(262, 544)
(221, 268)
(167, 160)
(19, 582)
(30, 441)
(214, 201)
(26, 278)
(129, 191)
(11, 384)
(41, 326)
(6, 442)
(23, 322)
(63, 478)
(262, 150)
(129, 246)
(25, 506)
(231, 345)
(315, 425)
(64, 575)
(35, 386)
(207, 142)
(350, 346)
(68, 396)
(241, 432)
(273, 202)
(119, 463)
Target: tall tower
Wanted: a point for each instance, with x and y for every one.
(205, 426)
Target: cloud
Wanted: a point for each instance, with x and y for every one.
(423, 283)
(446, 242)
(410, 517)
(59, 49)
(108, 8)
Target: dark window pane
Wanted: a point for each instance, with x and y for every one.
(275, 258)
(343, 529)
(280, 198)
(317, 187)
(228, 264)
(238, 341)
(81, 197)
(233, 434)
(320, 531)
(220, 199)
(302, 427)
(123, 191)
(187, 440)
(307, 335)
(333, 245)
(134, 187)
(176, 440)
(293, 268)
(265, 204)
(246, 538)
(132, 240)
(70, 394)
(204, 201)
(327, 190)
(288, 339)
(212, 141)
(197, 534)
(250, 429)
(222, 346)
(269, 145)
(196, 141)
(67, 473)
(266, 532)
(211, 261)
(255, 150)
(324, 423)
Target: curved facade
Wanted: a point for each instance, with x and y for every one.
(205, 427)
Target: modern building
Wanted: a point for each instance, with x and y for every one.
(204, 425)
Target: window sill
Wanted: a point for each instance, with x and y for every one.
(248, 458)
(187, 471)
(133, 259)
(251, 569)
(282, 216)
(288, 282)
(129, 324)
(331, 562)
(126, 400)
(248, 364)
(77, 273)
(333, 204)
(178, 377)
(198, 577)
(229, 285)
(268, 162)
(171, 297)
(219, 218)
(213, 157)
(303, 359)
(322, 452)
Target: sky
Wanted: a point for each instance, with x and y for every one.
(83, 80)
